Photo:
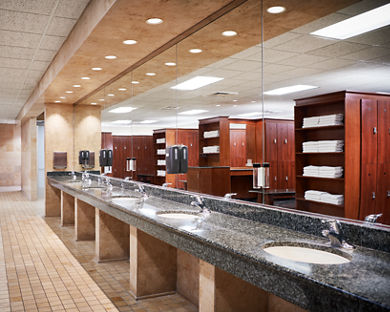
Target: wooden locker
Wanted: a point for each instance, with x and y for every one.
(282, 155)
(291, 156)
(383, 168)
(271, 152)
(369, 144)
(237, 147)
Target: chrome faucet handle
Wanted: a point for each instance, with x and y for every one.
(372, 217)
(165, 185)
(335, 236)
(198, 202)
(229, 195)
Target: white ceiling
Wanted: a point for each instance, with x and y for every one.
(31, 33)
(360, 63)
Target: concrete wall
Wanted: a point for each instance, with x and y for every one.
(10, 157)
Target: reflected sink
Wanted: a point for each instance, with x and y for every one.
(125, 201)
(179, 215)
(306, 254)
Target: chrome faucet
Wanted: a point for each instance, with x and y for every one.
(372, 218)
(141, 189)
(85, 180)
(100, 178)
(123, 182)
(165, 185)
(229, 195)
(74, 176)
(335, 235)
(198, 202)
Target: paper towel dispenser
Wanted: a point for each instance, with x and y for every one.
(177, 159)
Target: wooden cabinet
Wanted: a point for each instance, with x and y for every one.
(238, 152)
(365, 159)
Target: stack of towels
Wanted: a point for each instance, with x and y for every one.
(211, 149)
(161, 162)
(159, 141)
(324, 146)
(322, 121)
(161, 173)
(211, 134)
(324, 197)
(323, 171)
(161, 152)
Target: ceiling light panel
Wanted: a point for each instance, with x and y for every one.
(193, 112)
(356, 25)
(121, 122)
(229, 33)
(123, 109)
(290, 89)
(195, 51)
(276, 9)
(129, 42)
(196, 83)
(148, 121)
(96, 68)
(154, 21)
(110, 57)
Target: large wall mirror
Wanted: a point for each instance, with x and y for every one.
(263, 84)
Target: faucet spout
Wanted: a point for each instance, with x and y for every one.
(335, 236)
(198, 202)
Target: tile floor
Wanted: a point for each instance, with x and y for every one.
(42, 268)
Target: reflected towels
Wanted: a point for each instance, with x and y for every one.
(161, 173)
(211, 149)
(323, 171)
(211, 134)
(324, 197)
(161, 140)
(161, 152)
(161, 162)
(324, 146)
(322, 121)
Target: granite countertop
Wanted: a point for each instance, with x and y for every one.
(236, 246)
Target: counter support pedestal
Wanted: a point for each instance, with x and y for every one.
(84, 221)
(67, 209)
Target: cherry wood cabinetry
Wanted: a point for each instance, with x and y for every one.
(365, 159)
(106, 143)
(188, 137)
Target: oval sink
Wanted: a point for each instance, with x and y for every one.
(306, 254)
(179, 215)
(125, 201)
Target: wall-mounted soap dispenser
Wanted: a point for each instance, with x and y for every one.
(177, 159)
(84, 159)
(105, 160)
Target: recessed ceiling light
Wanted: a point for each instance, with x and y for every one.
(195, 51)
(110, 94)
(253, 101)
(135, 82)
(147, 121)
(93, 103)
(96, 68)
(101, 100)
(235, 100)
(250, 114)
(57, 101)
(229, 33)
(290, 89)
(235, 105)
(193, 112)
(68, 91)
(85, 78)
(76, 86)
(123, 109)
(154, 21)
(62, 97)
(121, 122)
(129, 42)
(196, 83)
(276, 9)
(110, 57)
(150, 74)
(170, 63)
(122, 89)
(218, 105)
(357, 24)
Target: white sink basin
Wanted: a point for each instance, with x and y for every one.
(306, 254)
(179, 215)
(125, 201)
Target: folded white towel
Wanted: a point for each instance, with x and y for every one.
(161, 173)
(161, 140)
(161, 162)
(161, 152)
(324, 197)
(211, 134)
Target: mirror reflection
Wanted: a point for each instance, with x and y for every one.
(310, 144)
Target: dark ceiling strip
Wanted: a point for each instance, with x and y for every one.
(211, 18)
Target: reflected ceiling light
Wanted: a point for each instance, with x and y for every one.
(250, 114)
(122, 89)
(235, 100)
(123, 109)
(196, 83)
(110, 57)
(218, 105)
(76, 86)
(229, 33)
(193, 112)
(150, 74)
(170, 63)
(147, 121)
(358, 24)
(121, 122)
(154, 21)
(110, 94)
(57, 101)
(135, 82)
(276, 9)
(68, 91)
(195, 51)
(101, 100)
(96, 68)
(290, 89)
(129, 42)
(253, 101)
(85, 78)
(235, 105)
(62, 97)
(93, 103)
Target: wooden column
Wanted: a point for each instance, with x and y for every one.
(84, 220)
(112, 237)
(152, 266)
(67, 209)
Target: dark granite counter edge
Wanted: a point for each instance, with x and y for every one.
(296, 288)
